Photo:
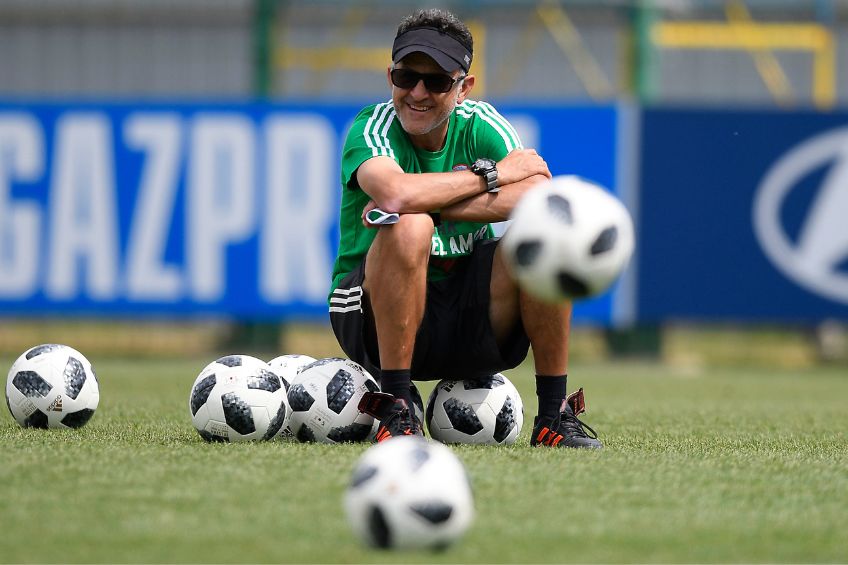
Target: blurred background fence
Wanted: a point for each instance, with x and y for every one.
(761, 52)
(720, 123)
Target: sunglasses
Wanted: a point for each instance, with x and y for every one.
(434, 82)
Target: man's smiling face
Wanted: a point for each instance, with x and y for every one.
(424, 114)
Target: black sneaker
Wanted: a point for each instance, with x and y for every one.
(396, 419)
(566, 430)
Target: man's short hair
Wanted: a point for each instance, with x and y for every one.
(441, 21)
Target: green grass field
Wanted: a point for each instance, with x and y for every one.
(724, 465)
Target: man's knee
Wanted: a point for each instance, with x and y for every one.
(406, 242)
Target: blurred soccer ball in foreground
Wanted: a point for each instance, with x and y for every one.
(408, 493)
(568, 239)
(485, 410)
(287, 366)
(52, 386)
(238, 398)
(324, 398)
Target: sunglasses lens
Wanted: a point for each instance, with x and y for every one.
(439, 83)
(402, 78)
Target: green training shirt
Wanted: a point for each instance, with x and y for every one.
(475, 130)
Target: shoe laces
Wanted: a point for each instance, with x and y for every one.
(403, 421)
(575, 426)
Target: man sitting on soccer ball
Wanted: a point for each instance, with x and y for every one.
(424, 293)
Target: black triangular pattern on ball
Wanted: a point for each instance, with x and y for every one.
(362, 474)
(31, 384)
(339, 391)
(462, 416)
(305, 434)
(230, 361)
(78, 419)
(74, 377)
(560, 208)
(418, 457)
(238, 414)
(265, 380)
(505, 420)
(378, 528)
(201, 393)
(526, 252)
(353, 433)
(276, 422)
(210, 437)
(571, 286)
(372, 386)
(605, 241)
(435, 512)
(39, 349)
(299, 398)
(488, 382)
(37, 419)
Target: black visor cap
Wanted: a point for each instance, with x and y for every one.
(448, 52)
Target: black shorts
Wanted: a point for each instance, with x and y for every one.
(455, 340)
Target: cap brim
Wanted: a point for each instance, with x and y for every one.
(446, 62)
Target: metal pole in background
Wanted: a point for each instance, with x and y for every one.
(645, 67)
(641, 340)
(253, 336)
(263, 27)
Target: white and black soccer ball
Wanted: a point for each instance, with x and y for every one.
(52, 386)
(287, 366)
(238, 398)
(408, 493)
(324, 398)
(568, 239)
(485, 410)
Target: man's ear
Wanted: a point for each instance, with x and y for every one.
(465, 89)
(389, 76)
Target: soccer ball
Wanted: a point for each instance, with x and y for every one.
(238, 398)
(287, 366)
(408, 493)
(324, 398)
(485, 410)
(568, 239)
(52, 386)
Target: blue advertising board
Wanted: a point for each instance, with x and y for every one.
(183, 209)
(743, 215)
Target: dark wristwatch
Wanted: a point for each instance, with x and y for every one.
(487, 169)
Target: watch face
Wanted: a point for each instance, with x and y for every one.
(483, 164)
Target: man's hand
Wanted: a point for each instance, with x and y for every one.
(368, 207)
(521, 164)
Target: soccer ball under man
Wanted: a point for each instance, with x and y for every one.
(486, 410)
(568, 239)
(408, 493)
(238, 398)
(324, 398)
(52, 386)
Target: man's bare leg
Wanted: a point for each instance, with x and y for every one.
(396, 289)
(547, 326)
(396, 286)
